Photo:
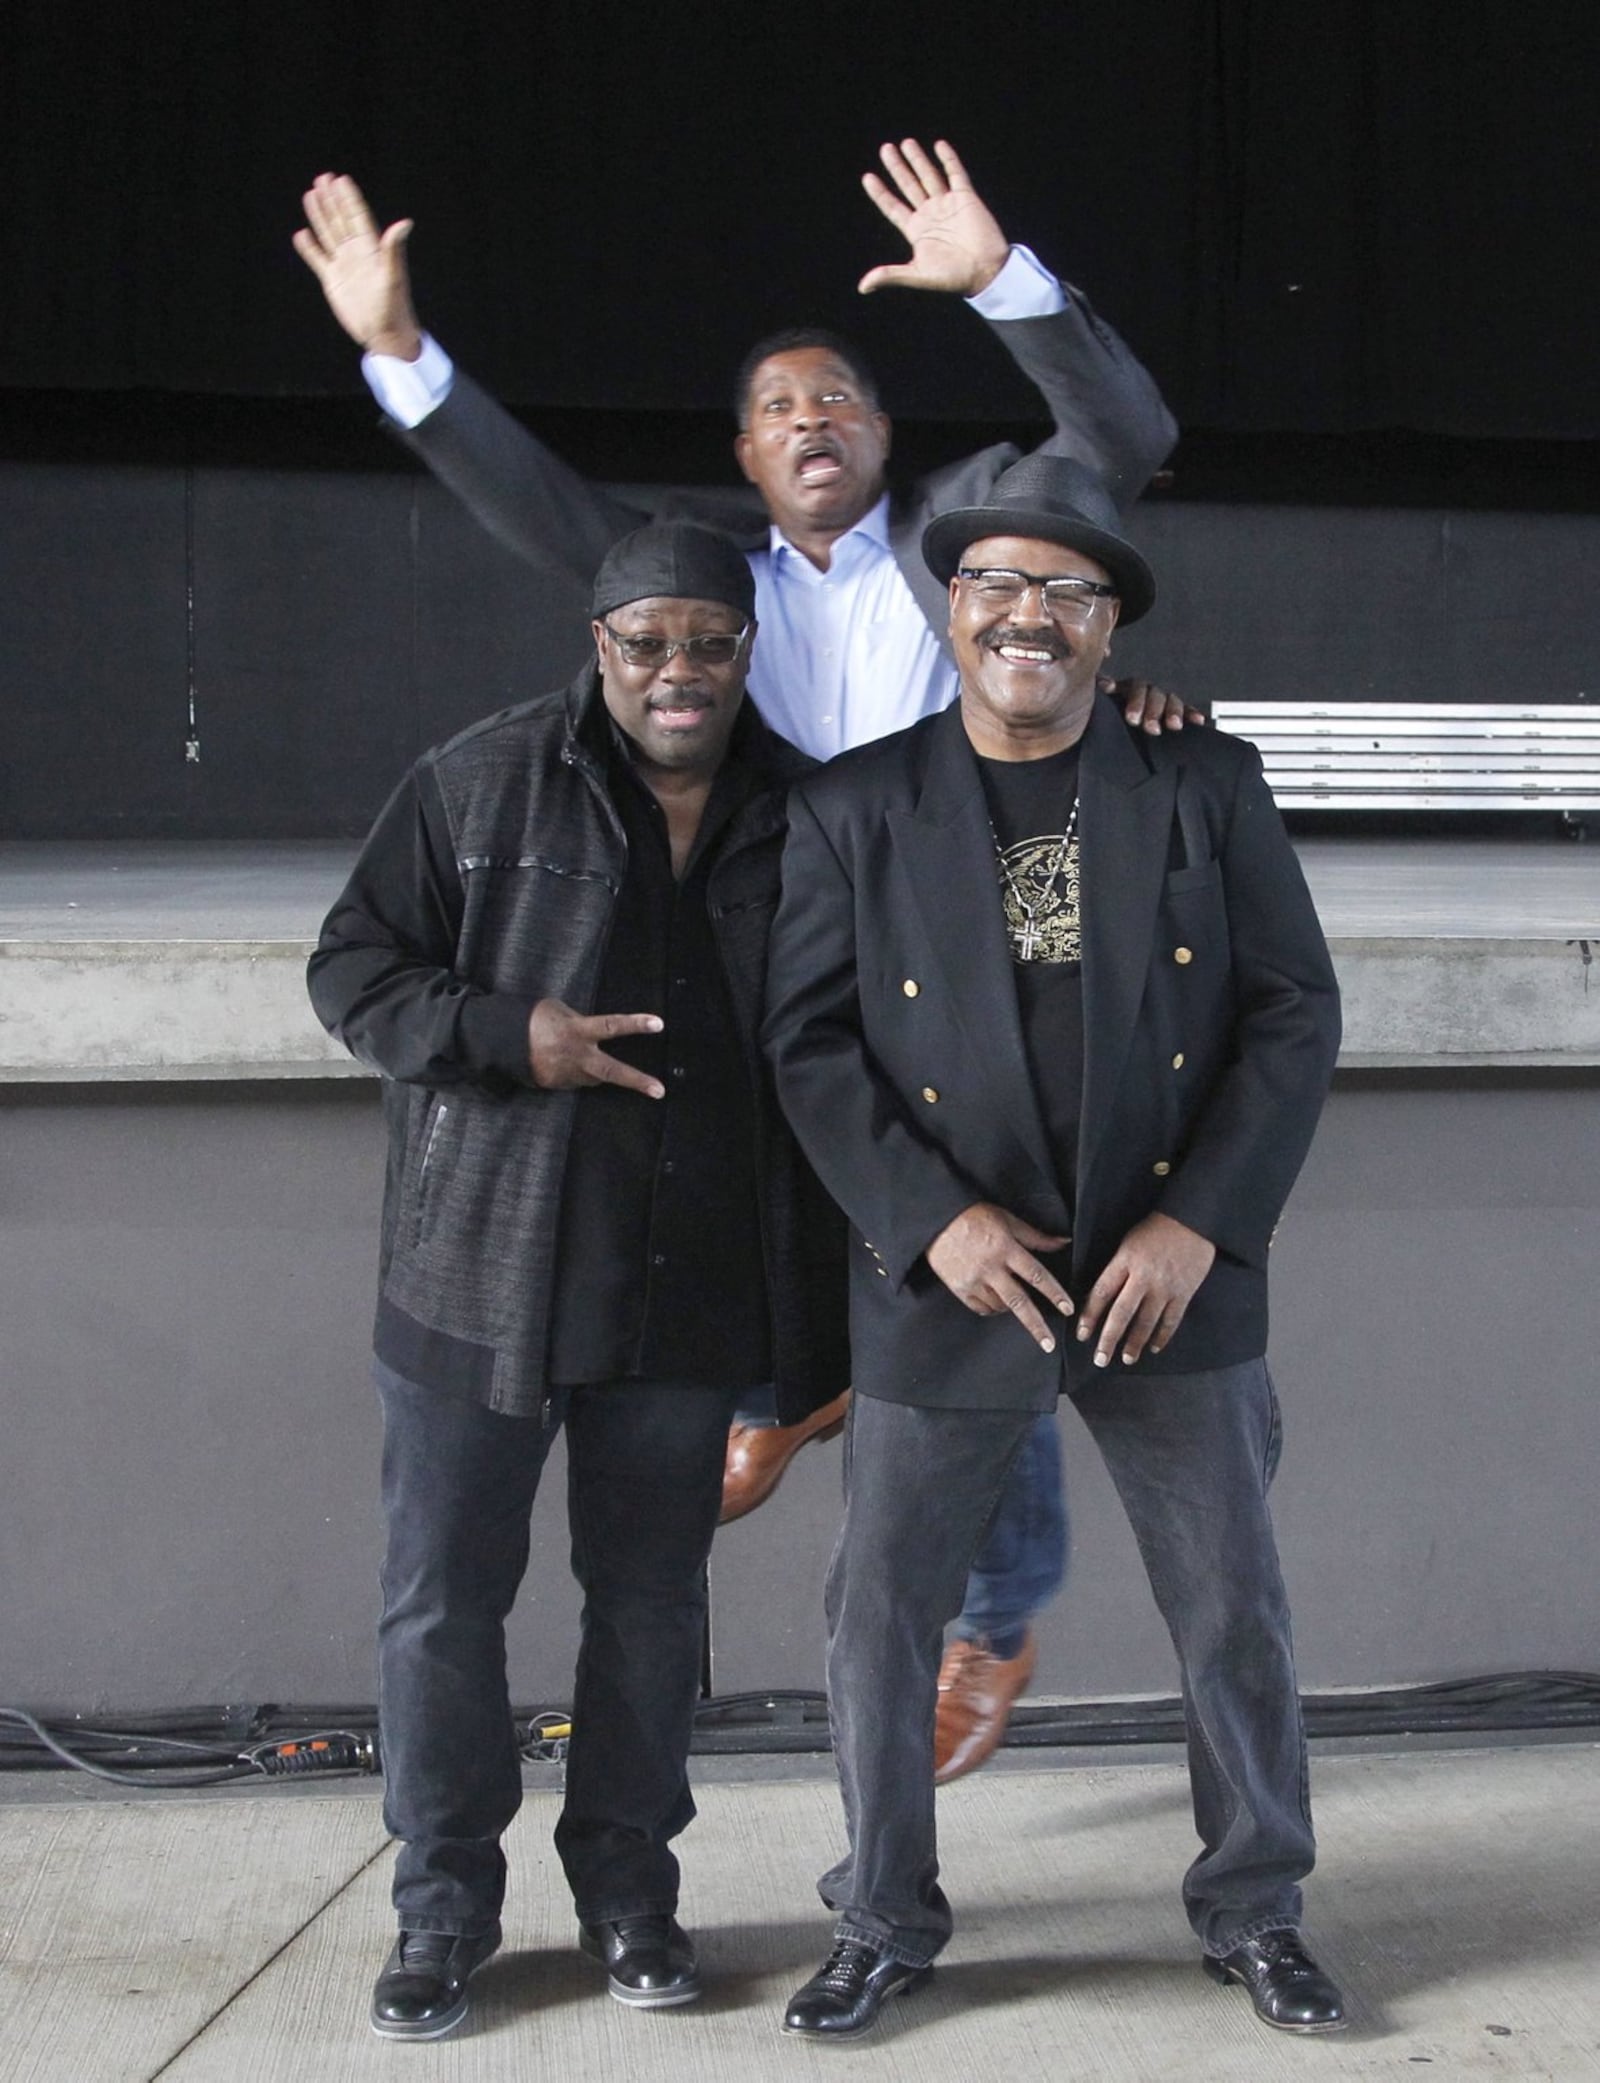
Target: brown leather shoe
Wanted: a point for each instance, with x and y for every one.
(758, 1455)
(977, 1691)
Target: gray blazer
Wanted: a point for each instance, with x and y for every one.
(1105, 405)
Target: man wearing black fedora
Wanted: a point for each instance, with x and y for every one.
(1052, 1015)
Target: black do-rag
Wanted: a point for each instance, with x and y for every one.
(675, 560)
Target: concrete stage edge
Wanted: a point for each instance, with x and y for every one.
(189, 1173)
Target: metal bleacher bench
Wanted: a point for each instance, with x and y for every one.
(1425, 755)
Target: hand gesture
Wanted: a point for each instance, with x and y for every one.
(984, 1260)
(363, 273)
(955, 243)
(1145, 1290)
(564, 1048)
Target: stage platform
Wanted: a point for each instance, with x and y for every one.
(158, 961)
(234, 1938)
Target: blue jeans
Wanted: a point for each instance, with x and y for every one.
(1192, 1456)
(644, 1487)
(1023, 1561)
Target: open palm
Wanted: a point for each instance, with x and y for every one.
(362, 271)
(956, 245)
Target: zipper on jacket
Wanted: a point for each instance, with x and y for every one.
(441, 1109)
(433, 1137)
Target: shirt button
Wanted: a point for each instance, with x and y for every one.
(911, 987)
(660, 1259)
(930, 1095)
(667, 1164)
(1182, 954)
(1161, 1170)
(882, 1275)
(680, 983)
(1177, 1061)
(678, 1071)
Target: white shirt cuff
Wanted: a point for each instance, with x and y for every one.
(409, 391)
(1024, 288)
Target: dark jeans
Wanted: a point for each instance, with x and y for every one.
(1022, 1563)
(644, 1486)
(1192, 1456)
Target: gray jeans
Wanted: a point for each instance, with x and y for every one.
(1192, 1456)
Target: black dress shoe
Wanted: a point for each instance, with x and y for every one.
(1286, 1985)
(847, 1993)
(650, 1960)
(422, 1992)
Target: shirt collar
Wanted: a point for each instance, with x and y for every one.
(873, 527)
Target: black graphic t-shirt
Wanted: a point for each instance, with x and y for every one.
(1032, 809)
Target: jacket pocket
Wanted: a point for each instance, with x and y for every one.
(1207, 876)
(1196, 907)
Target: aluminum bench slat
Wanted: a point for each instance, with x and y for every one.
(1424, 755)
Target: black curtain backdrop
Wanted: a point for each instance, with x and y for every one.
(1317, 220)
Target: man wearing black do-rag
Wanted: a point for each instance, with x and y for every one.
(594, 1220)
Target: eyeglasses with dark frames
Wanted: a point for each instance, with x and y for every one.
(1065, 599)
(716, 647)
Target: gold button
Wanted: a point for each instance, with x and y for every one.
(1162, 1169)
(1177, 1061)
(930, 1095)
(911, 987)
(1182, 954)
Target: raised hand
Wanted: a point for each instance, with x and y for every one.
(955, 243)
(362, 271)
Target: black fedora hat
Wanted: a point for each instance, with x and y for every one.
(1051, 499)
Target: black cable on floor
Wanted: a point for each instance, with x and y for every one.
(208, 1746)
(145, 1757)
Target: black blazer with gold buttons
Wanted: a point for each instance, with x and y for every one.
(1211, 1024)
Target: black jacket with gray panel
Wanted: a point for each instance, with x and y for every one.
(487, 884)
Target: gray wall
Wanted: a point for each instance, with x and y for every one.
(187, 1487)
(343, 621)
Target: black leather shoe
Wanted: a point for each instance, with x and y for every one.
(650, 1960)
(847, 1993)
(1286, 1985)
(422, 1992)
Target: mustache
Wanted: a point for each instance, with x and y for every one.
(1049, 638)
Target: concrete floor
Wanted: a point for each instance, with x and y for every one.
(232, 1938)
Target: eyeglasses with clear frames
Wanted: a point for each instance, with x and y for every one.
(1065, 600)
(716, 647)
